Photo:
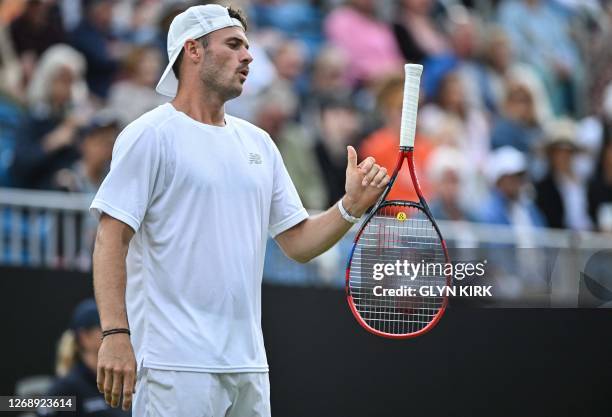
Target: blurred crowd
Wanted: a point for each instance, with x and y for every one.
(515, 120)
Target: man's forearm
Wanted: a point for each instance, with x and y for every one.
(317, 234)
(109, 275)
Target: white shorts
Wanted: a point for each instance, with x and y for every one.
(161, 393)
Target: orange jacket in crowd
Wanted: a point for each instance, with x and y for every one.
(383, 145)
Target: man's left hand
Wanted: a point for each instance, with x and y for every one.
(365, 182)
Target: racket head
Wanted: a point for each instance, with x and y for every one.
(397, 231)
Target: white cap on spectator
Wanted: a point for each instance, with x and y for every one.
(444, 159)
(505, 161)
(193, 23)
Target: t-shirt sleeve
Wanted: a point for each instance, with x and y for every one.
(286, 209)
(128, 189)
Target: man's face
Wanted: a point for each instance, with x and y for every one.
(511, 185)
(225, 66)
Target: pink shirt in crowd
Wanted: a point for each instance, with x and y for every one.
(369, 44)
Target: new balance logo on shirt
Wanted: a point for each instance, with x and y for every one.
(254, 158)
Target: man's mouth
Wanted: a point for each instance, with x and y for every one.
(244, 72)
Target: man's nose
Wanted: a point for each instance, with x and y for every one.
(246, 56)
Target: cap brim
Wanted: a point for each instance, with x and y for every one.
(168, 84)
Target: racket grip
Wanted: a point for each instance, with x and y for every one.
(411, 104)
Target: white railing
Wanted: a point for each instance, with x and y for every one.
(45, 228)
(56, 230)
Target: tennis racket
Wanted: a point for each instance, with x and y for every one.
(397, 301)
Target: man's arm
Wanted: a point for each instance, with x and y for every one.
(116, 360)
(364, 184)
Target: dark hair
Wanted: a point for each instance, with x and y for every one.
(234, 13)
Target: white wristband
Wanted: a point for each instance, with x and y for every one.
(345, 214)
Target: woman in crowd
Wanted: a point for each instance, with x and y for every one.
(57, 107)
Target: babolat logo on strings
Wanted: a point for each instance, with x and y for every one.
(254, 158)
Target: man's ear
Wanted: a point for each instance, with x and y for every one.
(192, 50)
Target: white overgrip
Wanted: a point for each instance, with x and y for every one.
(411, 104)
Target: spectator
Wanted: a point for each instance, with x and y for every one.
(328, 72)
(57, 107)
(450, 120)
(275, 107)
(501, 67)
(540, 37)
(11, 74)
(95, 146)
(561, 194)
(38, 28)
(289, 59)
(368, 42)
(508, 204)
(339, 126)
(446, 172)
(600, 62)
(327, 79)
(418, 35)
(136, 95)
(383, 144)
(600, 187)
(465, 40)
(93, 38)
(517, 126)
(77, 361)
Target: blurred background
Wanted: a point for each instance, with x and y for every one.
(513, 148)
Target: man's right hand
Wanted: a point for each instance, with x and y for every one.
(117, 370)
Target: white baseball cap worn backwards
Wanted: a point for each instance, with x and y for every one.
(193, 23)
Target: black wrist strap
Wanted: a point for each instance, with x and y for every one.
(115, 331)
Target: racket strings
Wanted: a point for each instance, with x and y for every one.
(400, 238)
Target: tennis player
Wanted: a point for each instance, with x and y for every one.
(185, 212)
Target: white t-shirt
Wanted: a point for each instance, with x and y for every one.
(202, 200)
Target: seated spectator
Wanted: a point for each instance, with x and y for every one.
(600, 187)
(513, 271)
(136, 95)
(599, 57)
(383, 144)
(95, 145)
(289, 59)
(38, 27)
(464, 33)
(368, 42)
(93, 38)
(57, 107)
(77, 361)
(508, 204)
(326, 79)
(541, 38)
(11, 70)
(446, 172)
(501, 68)
(517, 126)
(561, 194)
(418, 35)
(449, 119)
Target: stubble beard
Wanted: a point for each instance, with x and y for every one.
(218, 82)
